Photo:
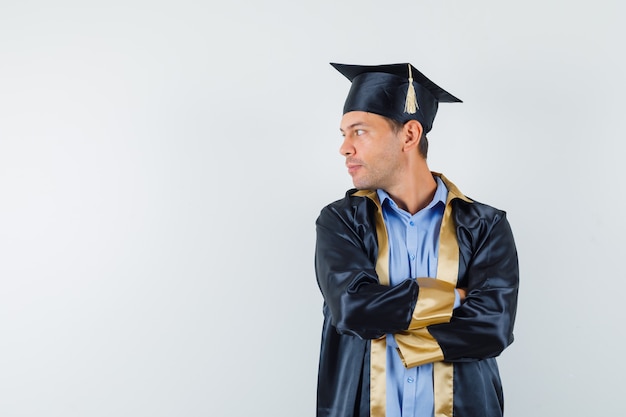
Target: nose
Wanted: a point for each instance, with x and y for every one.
(346, 148)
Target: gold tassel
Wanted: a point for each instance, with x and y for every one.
(410, 105)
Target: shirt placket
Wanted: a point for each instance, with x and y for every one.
(410, 383)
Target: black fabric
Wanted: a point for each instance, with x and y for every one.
(382, 89)
(357, 308)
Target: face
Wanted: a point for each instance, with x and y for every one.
(372, 150)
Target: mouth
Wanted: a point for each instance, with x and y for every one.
(352, 168)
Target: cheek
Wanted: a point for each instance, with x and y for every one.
(388, 155)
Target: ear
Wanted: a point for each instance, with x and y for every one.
(412, 132)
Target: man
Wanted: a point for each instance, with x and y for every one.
(419, 281)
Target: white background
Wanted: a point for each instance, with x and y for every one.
(162, 164)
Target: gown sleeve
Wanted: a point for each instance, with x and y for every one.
(483, 325)
(359, 305)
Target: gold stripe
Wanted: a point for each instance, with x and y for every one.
(444, 388)
(378, 375)
(448, 256)
(378, 347)
(447, 270)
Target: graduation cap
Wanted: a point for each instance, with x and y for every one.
(397, 91)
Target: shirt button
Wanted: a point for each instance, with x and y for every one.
(412, 257)
(412, 223)
(410, 380)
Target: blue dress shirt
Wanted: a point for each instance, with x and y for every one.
(413, 247)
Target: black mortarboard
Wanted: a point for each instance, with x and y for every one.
(397, 91)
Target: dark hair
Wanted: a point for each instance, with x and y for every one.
(422, 148)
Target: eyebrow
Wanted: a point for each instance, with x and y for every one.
(353, 125)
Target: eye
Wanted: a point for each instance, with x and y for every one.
(359, 132)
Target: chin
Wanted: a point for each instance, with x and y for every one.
(363, 183)
(362, 186)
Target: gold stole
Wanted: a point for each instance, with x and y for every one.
(417, 346)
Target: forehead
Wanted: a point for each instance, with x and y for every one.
(360, 118)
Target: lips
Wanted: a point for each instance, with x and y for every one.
(353, 166)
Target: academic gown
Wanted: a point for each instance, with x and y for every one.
(476, 252)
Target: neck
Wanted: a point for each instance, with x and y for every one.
(416, 190)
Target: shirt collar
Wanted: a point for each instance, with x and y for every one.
(441, 195)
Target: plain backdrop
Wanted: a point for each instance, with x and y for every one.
(162, 164)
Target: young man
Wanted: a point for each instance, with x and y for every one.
(419, 281)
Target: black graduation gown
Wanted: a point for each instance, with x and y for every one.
(358, 309)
